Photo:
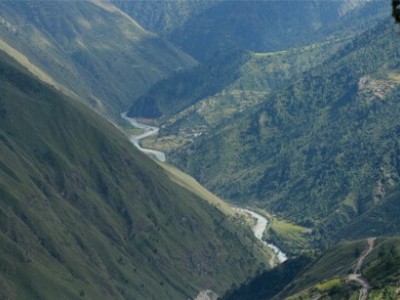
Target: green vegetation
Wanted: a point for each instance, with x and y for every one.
(330, 289)
(292, 238)
(382, 268)
(85, 215)
(90, 48)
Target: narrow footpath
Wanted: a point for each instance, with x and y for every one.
(357, 277)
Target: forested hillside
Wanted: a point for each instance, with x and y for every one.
(324, 149)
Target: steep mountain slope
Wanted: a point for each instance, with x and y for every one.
(323, 151)
(84, 214)
(90, 47)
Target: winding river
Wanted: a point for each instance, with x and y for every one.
(261, 221)
(149, 130)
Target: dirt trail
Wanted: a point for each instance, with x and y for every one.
(356, 276)
(370, 245)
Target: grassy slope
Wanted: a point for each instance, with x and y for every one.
(91, 48)
(83, 214)
(323, 149)
(291, 238)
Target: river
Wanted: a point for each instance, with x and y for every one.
(259, 228)
(261, 221)
(149, 130)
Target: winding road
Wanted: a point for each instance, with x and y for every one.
(357, 277)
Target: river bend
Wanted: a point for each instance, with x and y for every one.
(149, 130)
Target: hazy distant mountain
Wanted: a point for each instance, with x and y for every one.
(163, 16)
(89, 47)
(203, 28)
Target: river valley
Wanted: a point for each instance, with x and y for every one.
(261, 221)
